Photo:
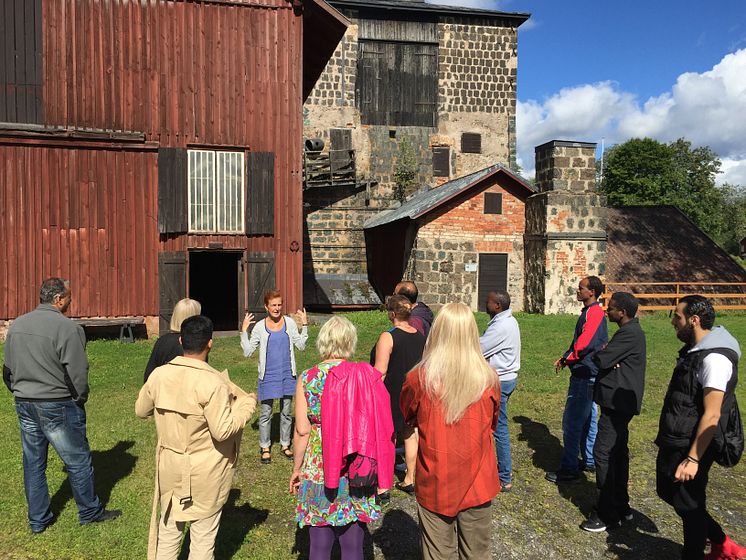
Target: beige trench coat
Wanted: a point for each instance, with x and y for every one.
(199, 417)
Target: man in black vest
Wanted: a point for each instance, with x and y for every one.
(701, 390)
(618, 391)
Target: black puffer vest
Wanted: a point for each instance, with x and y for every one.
(684, 402)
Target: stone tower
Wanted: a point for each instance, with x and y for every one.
(565, 237)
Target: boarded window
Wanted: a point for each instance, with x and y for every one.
(441, 162)
(21, 61)
(493, 203)
(493, 275)
(260, 209)
(216, 191)
(471, 143)
(172, 190)
(397, 83)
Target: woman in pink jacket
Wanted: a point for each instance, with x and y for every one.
(335, 506)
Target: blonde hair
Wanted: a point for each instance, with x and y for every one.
(184, 309)
(337, 339)
(453, 368)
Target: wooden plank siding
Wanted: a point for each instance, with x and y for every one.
(207, 74)
(70, 215)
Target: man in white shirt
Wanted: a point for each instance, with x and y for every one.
(501, 346)
(704, 379)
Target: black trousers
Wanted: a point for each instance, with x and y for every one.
(688, 499)
(611, 453)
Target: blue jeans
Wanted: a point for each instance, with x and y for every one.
(61, 423)
(579, 425)
(502, 435)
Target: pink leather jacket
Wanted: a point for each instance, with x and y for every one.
(357, 432)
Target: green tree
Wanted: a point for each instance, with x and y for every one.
(647, 172)
(406, 169)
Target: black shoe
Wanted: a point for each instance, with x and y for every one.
(586, 468)
(593, 524)
(627, 515)
(562, 476)
(383, 498)
(106, 515)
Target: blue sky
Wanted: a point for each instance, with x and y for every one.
(661, 68)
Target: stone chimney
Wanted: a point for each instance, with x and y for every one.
(565, 237)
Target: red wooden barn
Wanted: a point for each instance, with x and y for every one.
(151, 149)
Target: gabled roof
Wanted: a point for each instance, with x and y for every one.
(424, 7)
(661, 244)
(323, 29)
(427, 200)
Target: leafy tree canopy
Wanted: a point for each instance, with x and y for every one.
(643, 171)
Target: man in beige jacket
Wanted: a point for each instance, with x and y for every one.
(199, 416)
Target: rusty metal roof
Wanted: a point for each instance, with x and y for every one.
(427, 199)
(661, 244)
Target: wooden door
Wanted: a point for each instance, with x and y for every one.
(171, 284)
(261, 278)
(493, 276)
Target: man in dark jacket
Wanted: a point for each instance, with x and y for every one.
(580, 420)
(421, 316)
(618, 391)
(701, 392)
(46, 369)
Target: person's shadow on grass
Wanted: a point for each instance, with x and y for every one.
(636, 540)
(109, 467)
(547, 453)
(235, 524)
(398, 536)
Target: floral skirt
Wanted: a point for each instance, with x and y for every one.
(319, 506)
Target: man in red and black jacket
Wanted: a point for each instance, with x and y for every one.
(579, 421)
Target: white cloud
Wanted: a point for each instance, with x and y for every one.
(707, 109)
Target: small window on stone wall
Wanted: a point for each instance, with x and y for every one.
(493, 203)
(471, 143)
(441, 161)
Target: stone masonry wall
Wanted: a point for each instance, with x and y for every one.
(565, 227)
(454, 237)
(477, 65)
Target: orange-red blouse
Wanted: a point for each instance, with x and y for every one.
(456, 464)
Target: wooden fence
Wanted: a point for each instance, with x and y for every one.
(665, 296)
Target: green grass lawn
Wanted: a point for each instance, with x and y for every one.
(536, 520)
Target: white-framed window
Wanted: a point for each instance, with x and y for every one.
(216, 191)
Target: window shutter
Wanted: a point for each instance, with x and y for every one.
(471, 143)
(493, 203)
(171, 284)
(261, 278)
(260, 196)
(172, 190)
(441, 162)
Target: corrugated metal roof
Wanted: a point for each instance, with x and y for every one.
(420, 6)
(426, 199)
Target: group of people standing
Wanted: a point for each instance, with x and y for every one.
(432, 384)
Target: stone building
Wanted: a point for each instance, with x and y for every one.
(460, 240)
(433, 82)
(565, 236)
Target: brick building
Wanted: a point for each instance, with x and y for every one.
(439, 79)
(461, 239)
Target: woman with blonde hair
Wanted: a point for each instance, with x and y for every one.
(397, 351)
(343, 444)
(167, 347)
(453, 398)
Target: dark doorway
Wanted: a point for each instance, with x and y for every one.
(493, 275)
(214, 282)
